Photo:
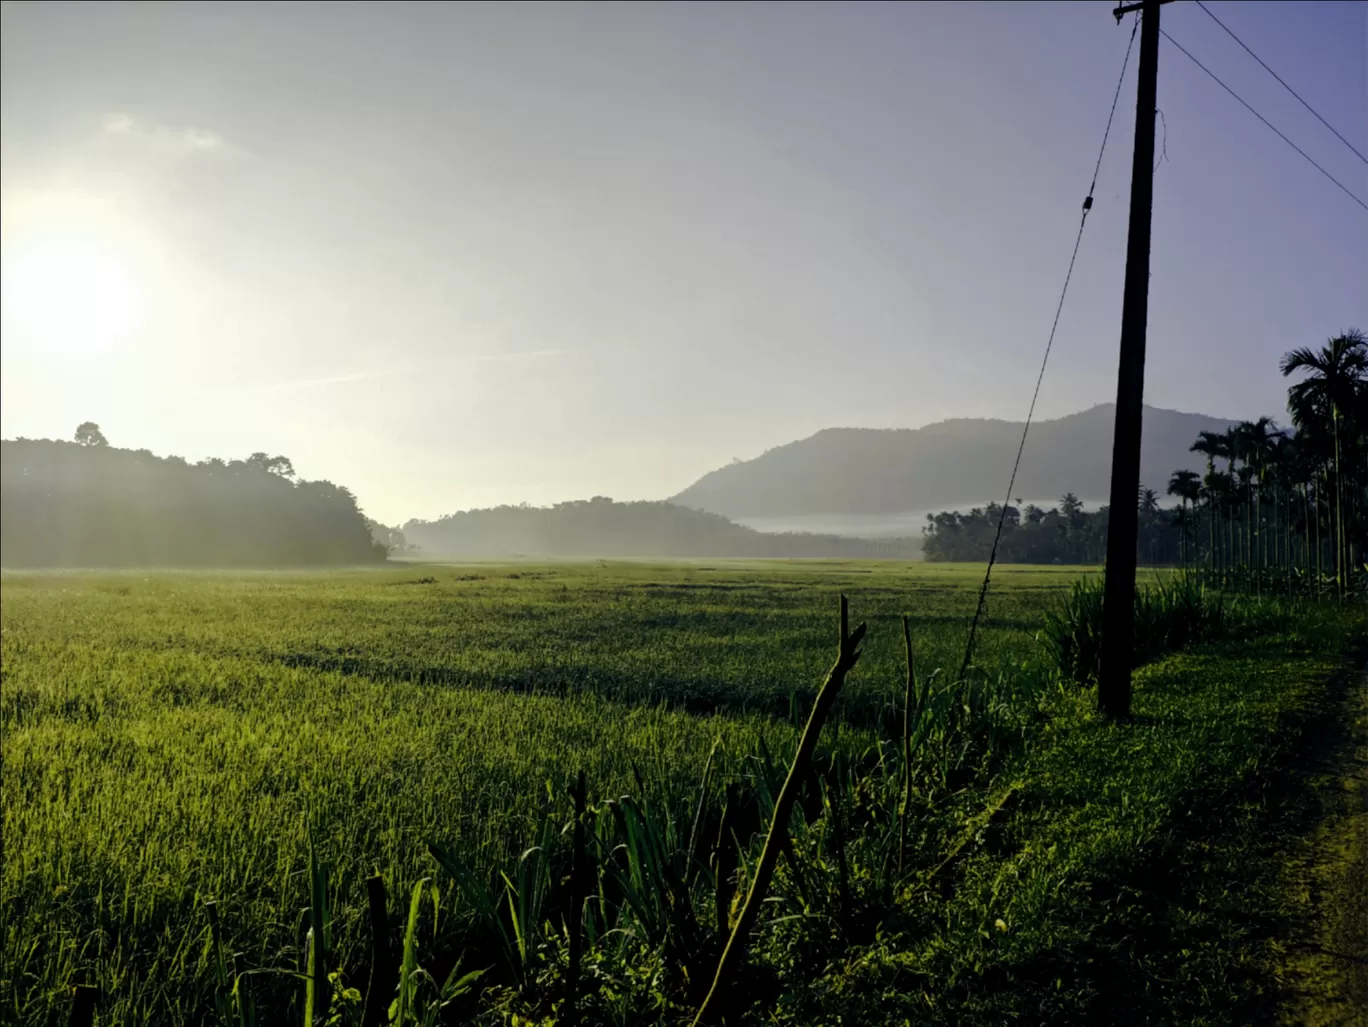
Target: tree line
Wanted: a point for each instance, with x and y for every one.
(88, 504)
(1288, 507)
(602, 527)
(1276, 508)
(1031, 534)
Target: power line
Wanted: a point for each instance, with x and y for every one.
(1049, 345)
(1256, 114)
(1266, 68)
(1106, 133)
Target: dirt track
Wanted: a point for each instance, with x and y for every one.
(1329, 968)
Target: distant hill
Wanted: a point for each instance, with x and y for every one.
(68, 505)
(601, 527)
(957, 463)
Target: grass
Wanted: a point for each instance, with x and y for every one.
(730, 638)
(1115, 894)
(166, 735)
(1172, 610)
(175, 737)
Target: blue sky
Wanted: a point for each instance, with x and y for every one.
(451, 256)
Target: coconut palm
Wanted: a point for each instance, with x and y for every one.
(1213, 446)
(1234, 438)
(1187, 486)
(1284, 467)
(1332, 387)
(1256, 442)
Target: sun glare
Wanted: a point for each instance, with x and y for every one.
(70, 297)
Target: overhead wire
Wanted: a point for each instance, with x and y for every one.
(1281, 82)
(1087, 206)
(1049, 345)
(1345, 189)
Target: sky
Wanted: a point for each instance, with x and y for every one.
(452, 256)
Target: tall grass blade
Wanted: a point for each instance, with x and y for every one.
(403, 1008)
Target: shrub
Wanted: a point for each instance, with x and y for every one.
(1171, 613)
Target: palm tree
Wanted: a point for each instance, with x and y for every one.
(1147, 505)
(1213, 446)
(1234, 453)
(1187, 486)
(1257, 443)
(1333, 383)
(1284, 465)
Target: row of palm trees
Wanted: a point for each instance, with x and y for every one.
(1283, 506)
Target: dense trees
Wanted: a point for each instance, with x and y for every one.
(1276, 508)
(86, 503)
(601, 527)
(1290, 507)
(1066, 534)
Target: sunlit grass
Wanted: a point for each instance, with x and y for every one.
(169, 736)
(166, 734)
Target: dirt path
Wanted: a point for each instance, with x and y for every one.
(1328, 968)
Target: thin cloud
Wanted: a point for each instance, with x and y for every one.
(180, 139)
(423, 368)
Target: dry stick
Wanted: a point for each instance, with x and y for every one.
(577, 871)
(906, 747)
(382, 980)
(848, 653)
(83, 999)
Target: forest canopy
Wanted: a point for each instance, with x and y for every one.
(88, 504)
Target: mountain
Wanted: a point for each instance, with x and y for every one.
(601, 527)
(956, 463)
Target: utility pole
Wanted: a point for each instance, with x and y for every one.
(1118, 598)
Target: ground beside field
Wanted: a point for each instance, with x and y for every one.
(1325, 871)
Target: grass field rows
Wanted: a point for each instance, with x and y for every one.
(170, 737)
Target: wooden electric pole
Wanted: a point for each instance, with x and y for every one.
(1118, 598)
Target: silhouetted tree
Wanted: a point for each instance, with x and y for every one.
(1332, 395)
(1071, 509)
(272, 464)
(1291, 508)
(88, 434)
(1067, 534)
(1187, 486)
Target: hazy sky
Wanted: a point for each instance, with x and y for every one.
(451, 256)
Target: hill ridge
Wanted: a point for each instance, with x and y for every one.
(957, 461)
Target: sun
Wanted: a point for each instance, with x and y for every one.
(70, 297)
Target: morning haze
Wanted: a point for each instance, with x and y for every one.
(455, 256)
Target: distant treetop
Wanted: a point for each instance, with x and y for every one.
(88, 434)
